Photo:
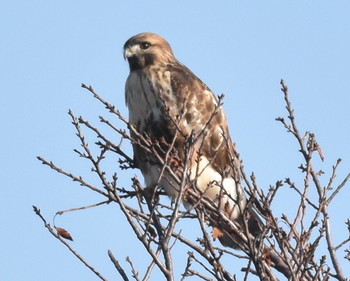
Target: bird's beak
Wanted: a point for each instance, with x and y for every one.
(128, 53)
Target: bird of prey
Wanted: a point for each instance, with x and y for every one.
(167, 104)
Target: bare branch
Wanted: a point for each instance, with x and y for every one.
(117, 266)
(289, 245)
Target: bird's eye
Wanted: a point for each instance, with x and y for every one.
(145, 45)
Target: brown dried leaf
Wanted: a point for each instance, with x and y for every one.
(152, 232)
(319, 150)
(63, 233)
(266, 256)
(217, 233)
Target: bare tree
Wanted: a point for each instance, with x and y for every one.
(284, 244)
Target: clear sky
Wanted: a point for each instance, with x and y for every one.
(239, 48)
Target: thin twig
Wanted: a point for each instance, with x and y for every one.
(49, 228)
(117, 266)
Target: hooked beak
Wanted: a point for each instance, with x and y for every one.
(128, 52)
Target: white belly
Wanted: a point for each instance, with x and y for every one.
(209, 181)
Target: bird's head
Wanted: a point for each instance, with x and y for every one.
(146, 49)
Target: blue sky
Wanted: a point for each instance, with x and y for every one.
(239, 48)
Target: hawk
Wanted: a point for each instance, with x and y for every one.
(167, 104)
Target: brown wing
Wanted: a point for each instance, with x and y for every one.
(191, 100)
